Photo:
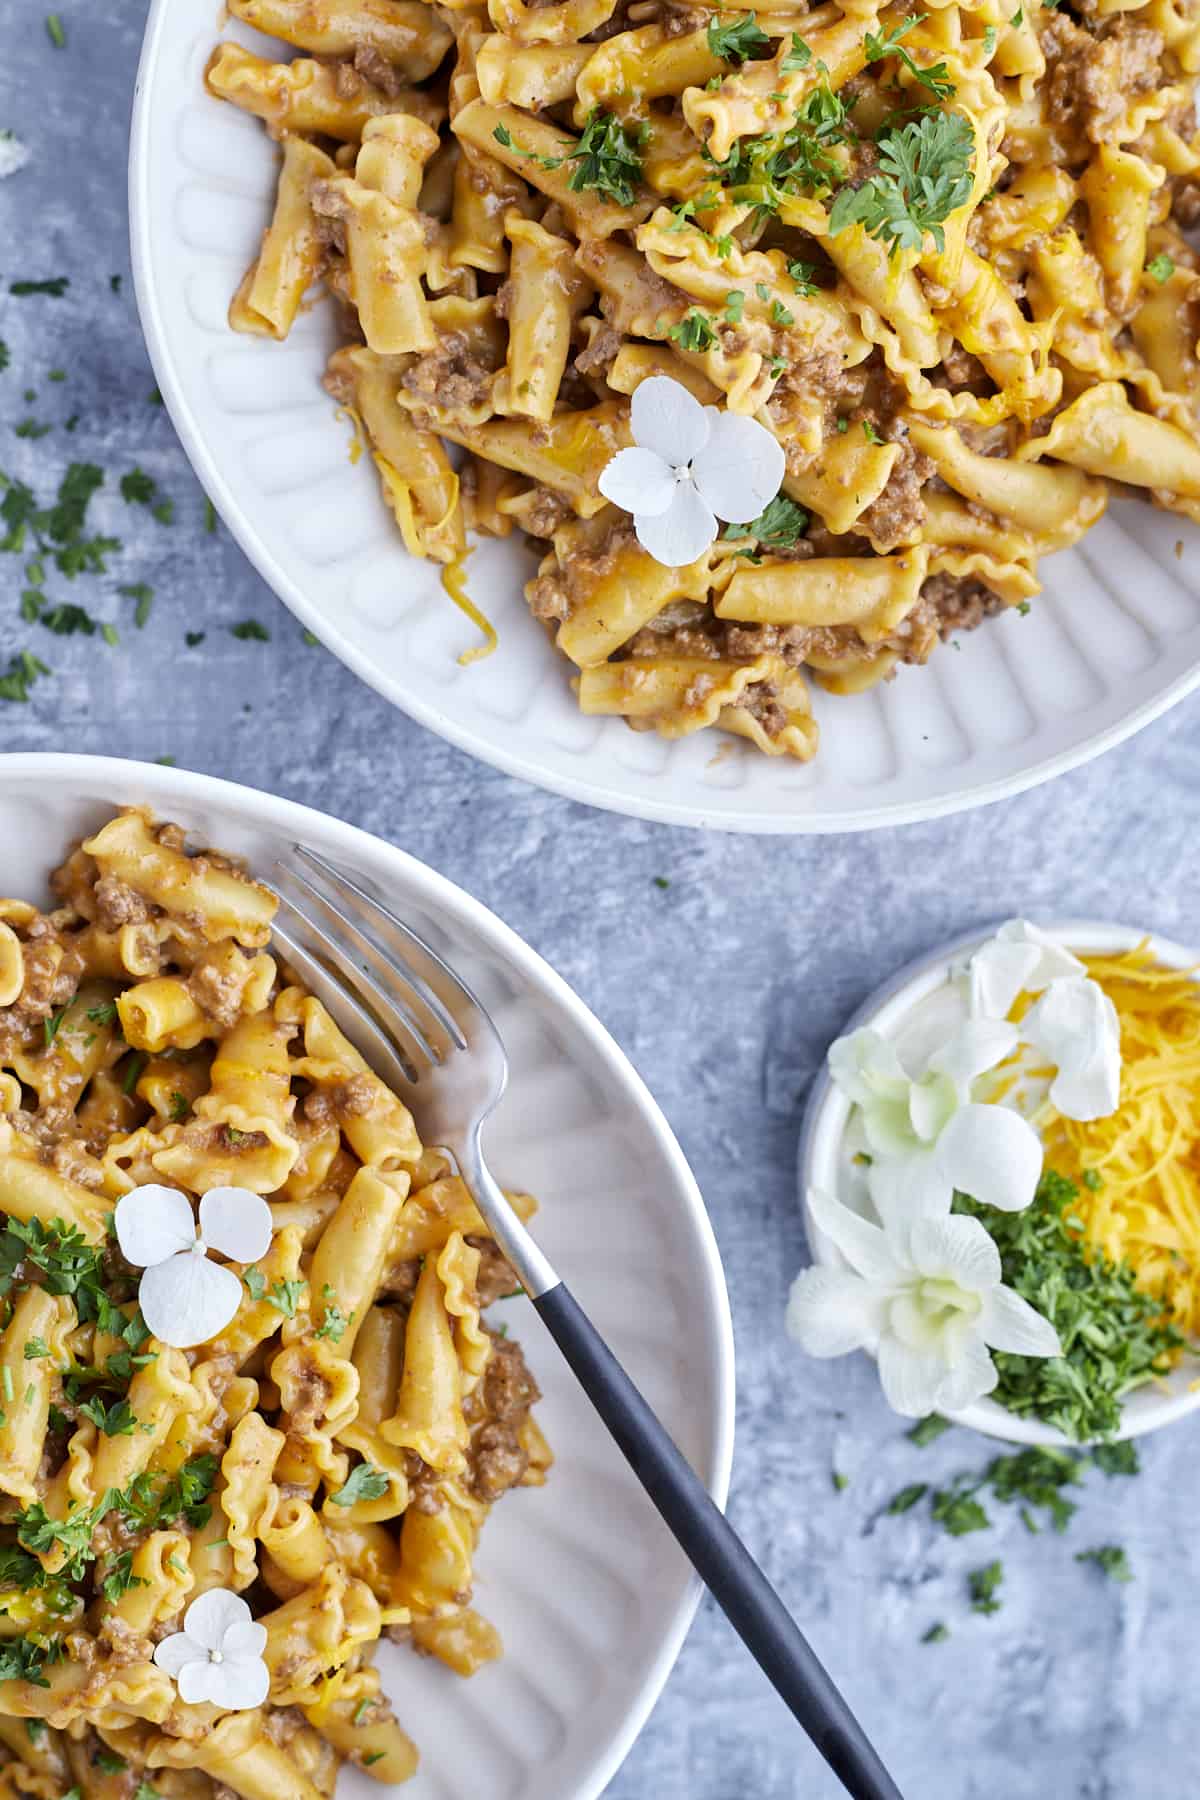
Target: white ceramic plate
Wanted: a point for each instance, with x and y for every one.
(828, 1112)
(1114, 642)
(590, 1594)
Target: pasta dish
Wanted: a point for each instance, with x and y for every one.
(937, 257)
(223, 1477)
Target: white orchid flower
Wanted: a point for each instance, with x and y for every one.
(1019, 959)
(692, 465)
(926, 1135)
(925, 1296)
(186, 1298)
(217, 1657)
(1076, 1027)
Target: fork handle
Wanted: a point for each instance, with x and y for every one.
(716, 1552)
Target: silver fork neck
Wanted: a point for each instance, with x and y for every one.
(534, 1269)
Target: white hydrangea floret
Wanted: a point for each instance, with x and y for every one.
(925, 1295)
(185, 1297)
(690, 466)
(217, 1657)
(13, 154)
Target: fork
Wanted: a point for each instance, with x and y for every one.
(426, 1028)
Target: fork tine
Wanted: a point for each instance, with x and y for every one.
(380, 1049)
(392, 938)
(379, 998)
(399, 988)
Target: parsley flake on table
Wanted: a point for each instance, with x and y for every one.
(907, 1498)
(1111, 1559)
(55, 287)
(23, 670)
(926, 1430)
(138, 488)
(984, 1584)
(924, 174)
(250, 629)
(143, 597)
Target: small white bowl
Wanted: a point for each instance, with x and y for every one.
(591, 1595)
(828, 1112)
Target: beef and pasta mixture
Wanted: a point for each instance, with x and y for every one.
(239, 1441)
(939, 255)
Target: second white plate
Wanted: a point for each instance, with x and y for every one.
(1114, 641)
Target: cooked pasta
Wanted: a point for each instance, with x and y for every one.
(938, 256)
(324, 1464)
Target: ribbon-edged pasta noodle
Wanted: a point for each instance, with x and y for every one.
(939, 255)
(333, 1453)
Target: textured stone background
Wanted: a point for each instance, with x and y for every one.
(724, 988)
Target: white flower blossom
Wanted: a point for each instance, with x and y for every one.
(1074, 1024)
(926, 1135)
(13, 154)
(217, 1657)
(186, 1298)
(691, 466)
(924, 1295)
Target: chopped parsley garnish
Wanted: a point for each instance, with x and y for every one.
(1114, 1337)
(104, 1014)
(984, 1584)
(248, 629)
(120, 1577)
(29, 428)
(138, 488)
(907, 1498)
(333, 1324)
(840, 1482)
(284, 1296)
(989, 40)
(780, 314)
(192, 638)
(926, 1430)
(779, 526)
(180, 1107)
(936, 79)
(1117, 1459)
(50, 1026)
(24, 1658)
(694, 331)
(764, 170)
(924, 174)
(365, 1483)
(109, 1762)
(937, 1634)
(5, 358)
(738, 42)
(23, 670)
(956, 1509)
(1109, 1557)
(35, 1349)
(607, 158)
(735, 303)
(143, 596)
(870, 433)
(210, 516)
(67, 618)
(133, 1072)
(256, 1282)
(55, 287)
(798, 57)
(116, 1420)
(55, 31)
(802, 274)
(1161, 267)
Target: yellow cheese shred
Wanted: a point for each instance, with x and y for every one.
(1144, 1208)
(454, 580)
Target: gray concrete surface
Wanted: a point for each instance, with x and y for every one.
(724, 988)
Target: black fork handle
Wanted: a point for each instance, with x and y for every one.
(716, 1552)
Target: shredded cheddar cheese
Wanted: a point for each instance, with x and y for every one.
(1138, 1171)
(454, 580)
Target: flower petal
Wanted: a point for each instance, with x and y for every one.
(201, 1683)
(665, 418)
(237, 1223)
(864, 1064)
(1009, 1323)
(245, 1682)
(865, 1246)
(638, 481)
(970, 1374)
(246, 1641)
(1075, 1026)
(999, 972)
(188, 1299)
(153, 1223)
(956, 1249)
(912, 1379)
(739, 470)
(831, 1312)
(907, 1188)
(176, 1651)
(932, 1103)
(209, 1617)
(1053, 961)
(993, 1154)
(978, 1047)
(682, 533)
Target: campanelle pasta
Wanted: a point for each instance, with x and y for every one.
(939, 256)
(331, 1455)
